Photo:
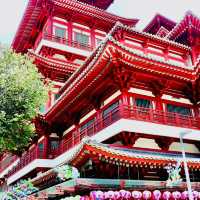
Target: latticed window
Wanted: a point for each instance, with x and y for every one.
(54, 145)
(81, 38)
(42, 109)
(60, 32)
(178, 109)
(57, 96)
(144, 103)
(87, 125)
(110, 108)
(98, 41)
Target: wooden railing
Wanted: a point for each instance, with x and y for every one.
(7, 162)
(130, 112)
(26, 158)
(121, 112)
(60, 40)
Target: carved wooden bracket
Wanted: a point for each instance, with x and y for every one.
(159, 86)
(122, 78)
(95, 101)
(197, 144)
(41, 126)
(164, 143)
(192, 91)
(128, 139)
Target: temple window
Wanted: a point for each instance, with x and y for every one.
(57, 95)
(60, 32)
(111, 108)
(41, 149)
(81, 38)
(42, 109)
(178, 109)
(87, 125)
(54, 145)
(98, 41)
(144, 103)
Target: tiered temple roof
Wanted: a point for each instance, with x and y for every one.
(37, 11)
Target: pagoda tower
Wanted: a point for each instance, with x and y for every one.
(120, 100)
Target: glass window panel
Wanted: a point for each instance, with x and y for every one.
(42, 109)
(60, 32)
(144, 103)
(81, 38)
(54, 144)
(87, 125)
(41, 146)
(57, 96)
(178, 109)
(110, 108)
(98, 41)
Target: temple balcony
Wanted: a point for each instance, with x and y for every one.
(109, 121)
(62, 44)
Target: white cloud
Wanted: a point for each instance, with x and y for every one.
(11, 12)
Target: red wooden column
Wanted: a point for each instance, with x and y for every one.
(77, 137)
(125, 102)
(46, 146)
(125, 97)
(159, 103)
(92, 37)
(159, 108)
(70, 33)
(196, 109)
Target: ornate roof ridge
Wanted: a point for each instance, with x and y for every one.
(183, 19)
(91, 60)
(166, 40)
(91, 8)
(158, 16)
(52, 61)
(109, 37)
(133, 153)
(33, 10)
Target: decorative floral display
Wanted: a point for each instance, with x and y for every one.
(66, 172)
(20, 190)
(77, 197)
(173, 171)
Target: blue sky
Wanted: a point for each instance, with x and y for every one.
(11, 12)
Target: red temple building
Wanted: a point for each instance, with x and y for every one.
(120, 100)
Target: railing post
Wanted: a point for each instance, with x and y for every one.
(70, 33)
(76, 134)
(125, 103)
(92, 37)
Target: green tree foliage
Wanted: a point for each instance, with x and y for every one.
(22, 92)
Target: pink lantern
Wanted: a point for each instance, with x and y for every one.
(82, 198)
(166, 195)
(137, 194)
(146, 194)
(110, 195)
(176, 195)
(99, 194)
(122, 193)
(116, 195)
(93, 195)
(184, 195)
(195, 195)
(127, 195)
(156, 194)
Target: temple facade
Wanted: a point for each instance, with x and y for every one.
(121, 100)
